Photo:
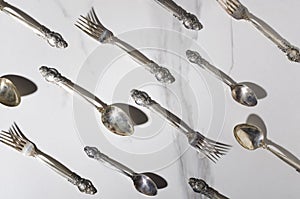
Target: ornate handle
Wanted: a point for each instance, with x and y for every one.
(195, 57)
(190, 21)
(53, 76)
(83, 185)
(53, 38)
(291, 51)
(94, 153)
(143, 99)
(200, 186)
(162, 74)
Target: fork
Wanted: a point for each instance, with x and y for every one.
(17, 140)
(200, 186)
(92, 26)
(54, 39)
(210, 148)
(190, 21)
(239, 11)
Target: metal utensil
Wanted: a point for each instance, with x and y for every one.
(251, 137)
(142, 183)
(53, 38)
(240, 92)
(190, 21)
(210, 148)
(9, 94)
(92, 26)
(239, 11)
(24, 85)
(114, 118)
(17, 140)
(200, 186)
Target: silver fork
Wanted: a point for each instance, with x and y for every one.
(53, 38)
(190, 21)
(210, 148)
(239, 11)
(17, 140)
(92, 26)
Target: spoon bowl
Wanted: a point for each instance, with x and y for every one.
(144, 184)
(243, 95)
(117, 121)
(9, 94)
(249, 136)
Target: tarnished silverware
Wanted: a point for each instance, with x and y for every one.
(210, 148)
(200, 186)
(240, 92)
(190, 21)
(114, 118)
(239, 11)
(251, 137)
(9, 94)
(53, 38)
(92, 26)
(142, 182)
(17, 140)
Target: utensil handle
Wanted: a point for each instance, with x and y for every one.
(94, 153)
(281, 154)
(195, 57)
(190, 21)
(291, 51)
(53, 38)
(143, 99)
(83, 185)
(162, 74)
(53, 76)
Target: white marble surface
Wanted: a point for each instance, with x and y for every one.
(60, 126)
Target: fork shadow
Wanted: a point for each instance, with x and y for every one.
(259, 91)
(257, 121)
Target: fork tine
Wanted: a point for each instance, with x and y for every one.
(94, 16)
(85, 29)
(18, 130)
(223, 4)
(93, 27)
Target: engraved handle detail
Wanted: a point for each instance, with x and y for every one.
(291, 51)
(83, 185)
(190, 21)
(53, 38)
(200, 186)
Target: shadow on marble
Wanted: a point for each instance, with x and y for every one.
(24, 85)
(259, 91)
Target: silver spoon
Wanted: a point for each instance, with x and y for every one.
(142, 183)
(240, 92)
(114, 118)
(9, 94)
(251, 137)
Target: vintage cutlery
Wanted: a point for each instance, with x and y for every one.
(210, 148)
(114, 118)
(240, 92)
(200, 186)
(142, 183)
(9, 94)
(92, 26)
(53, 38)
(190, 21)
(17, 140)
(251, 137)
(239, 11)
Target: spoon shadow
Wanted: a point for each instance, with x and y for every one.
(157, 179)
(257, 121)
(259, 91)
(138, 116)
(24, 85)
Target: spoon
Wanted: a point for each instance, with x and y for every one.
(9, 94)
(114, 118)
(251, 137)
(23, 84)
(240, 92)
(142, 183)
